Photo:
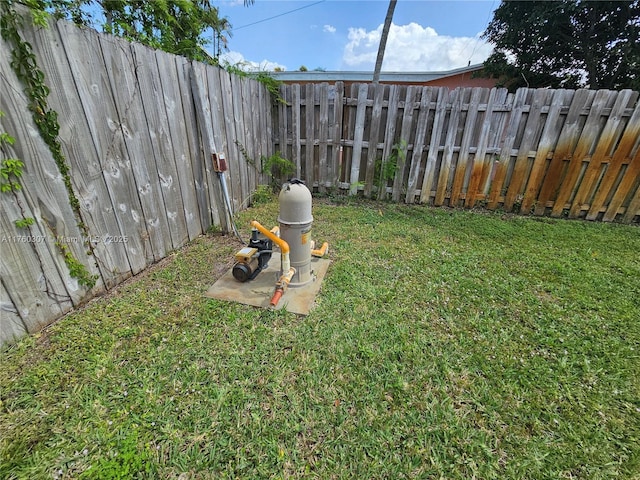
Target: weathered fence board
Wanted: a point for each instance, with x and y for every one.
(13, 328)
(528, 142)
(97, 101)
(634, 204)
(434, 143)
(556, 152)
(550, 134)
(207, 133)
(609, 134)
(123, 67)
(180, 144)
(620, 157)
(443, 183)
(43, 198)
(358, 137)
(323, 147)
(88, 180)
(157, 121)
(336, 136)
(405, 131)
(196, 147)
(465, 145)
(309, 115)
(239, 108)
(372, 151)
(389, 136)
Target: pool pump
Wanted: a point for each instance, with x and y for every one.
(253, 258)
(292, 236)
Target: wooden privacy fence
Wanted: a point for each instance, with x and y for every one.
(137, 128)
(540, 151)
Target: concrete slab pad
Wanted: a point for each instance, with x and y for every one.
(258, 292)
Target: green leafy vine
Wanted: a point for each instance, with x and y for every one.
(25, 66)
(10, 173)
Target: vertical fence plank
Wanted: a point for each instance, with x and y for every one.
(336, 134)
(547, 143)
(520, 168)
(568, 137)
(257, 130)
(374, 132)
(434, 143)
(323, 97)
(197, 157)
(465, 145)
(203, 115)
(513, 124)
(157, 125)
(479, 160)
(623, 151)
(590, 132)
(246, 123)
(358, 137)
(389, 140)
(97, 210)
(405, 131)
(283, 120)
(634, 205)
(418, 144)
(238, 122)
(630, 179)
(123, 65)
(295, 129)
(455, 100)
(608, 135)
(309, 134)
(180, 149)
(13, 327)
(226, 125)
(222, 138)
(265, 132)
(107, 135)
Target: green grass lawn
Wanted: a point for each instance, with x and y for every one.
(444, 344)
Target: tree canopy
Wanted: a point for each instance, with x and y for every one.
(175, 26)
(565, 44)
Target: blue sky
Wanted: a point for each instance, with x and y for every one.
(344, 34)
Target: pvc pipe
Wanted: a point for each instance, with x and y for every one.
(322, 251)
(225, 195)
(281, 286)
(277, 295)
(285, 263)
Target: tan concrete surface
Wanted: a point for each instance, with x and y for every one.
(258, 292)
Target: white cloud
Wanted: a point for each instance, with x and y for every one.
(237, 59)
(232, 3)
(329, 29)
(414, 48)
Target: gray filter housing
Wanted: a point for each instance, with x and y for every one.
(295, 221)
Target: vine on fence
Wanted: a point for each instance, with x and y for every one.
(25, 66)
(10, 173)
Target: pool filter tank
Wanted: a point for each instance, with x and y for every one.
(293, 238)
(295, 221)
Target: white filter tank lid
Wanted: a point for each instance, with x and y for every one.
(295, 203)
